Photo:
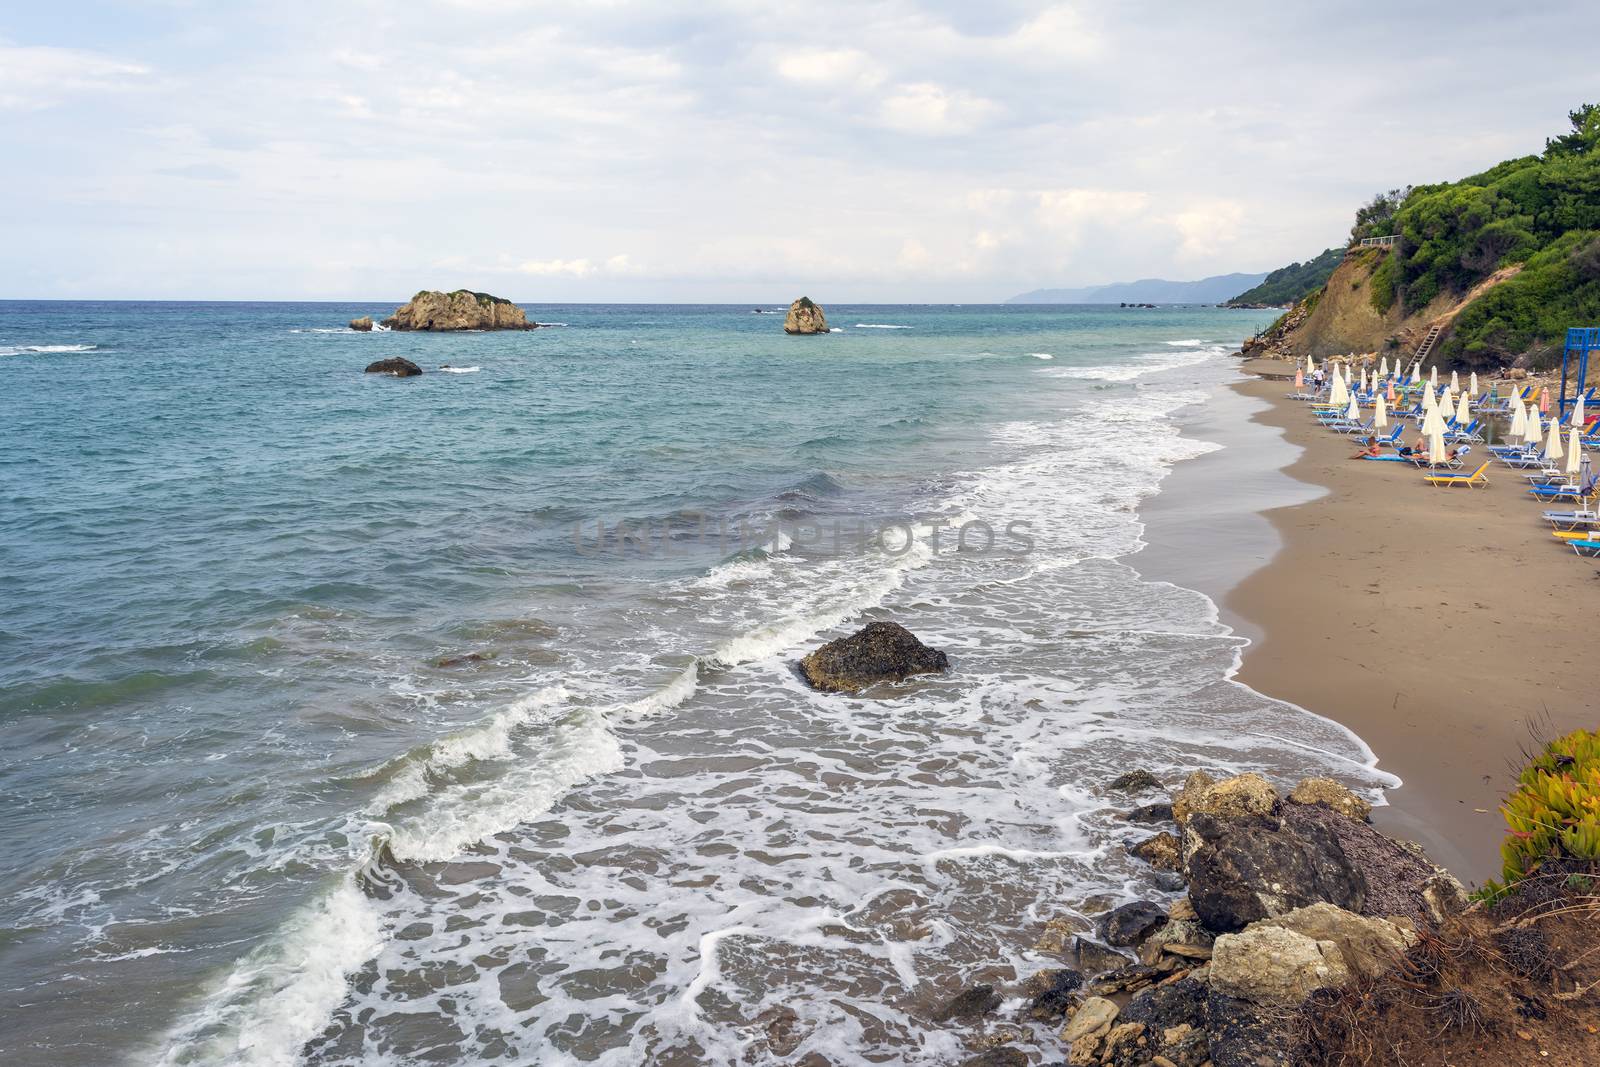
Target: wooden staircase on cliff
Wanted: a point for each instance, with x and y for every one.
(1429, 341)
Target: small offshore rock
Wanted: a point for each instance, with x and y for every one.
(1161, 852)
(463, 309)
(1150, 813)
(805, 316)
(1139, 781)
(395, 365)
(969, 1004)
(363, 324)
(1129, 924)
(1330, 794)
(1274, 966)
(879, 652)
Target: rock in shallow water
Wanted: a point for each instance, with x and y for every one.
(879, 652)
(1129, 924)
(400, 368)
(363, 324)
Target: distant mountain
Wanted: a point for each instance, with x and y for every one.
(1147, 291)
(1291, 284)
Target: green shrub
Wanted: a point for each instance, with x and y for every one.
(1554, 812)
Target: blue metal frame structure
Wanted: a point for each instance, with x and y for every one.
(1581, 340)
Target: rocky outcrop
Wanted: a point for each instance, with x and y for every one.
(363, 324)
(1330, 794)
(1253, 867)
(1243, 794)
(805, 317)
(879, 652)
(395, 365)
(460, 310)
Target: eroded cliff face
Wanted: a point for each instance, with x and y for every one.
(1340, 318)
(460, 310)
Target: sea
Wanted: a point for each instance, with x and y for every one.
(455, 719)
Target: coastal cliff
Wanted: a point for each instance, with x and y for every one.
(1504, 262)
(460, 310)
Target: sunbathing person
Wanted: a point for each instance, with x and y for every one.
(1368, 450)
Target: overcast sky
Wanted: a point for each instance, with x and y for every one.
(903, 150)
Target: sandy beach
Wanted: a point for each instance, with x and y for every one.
(1444, 626)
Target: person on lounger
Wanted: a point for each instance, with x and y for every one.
(1369, 450)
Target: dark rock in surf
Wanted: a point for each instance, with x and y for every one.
(400, 368)
(1129, 924)
(969, 1004)
(879, 652)
(363, 324)
(1139, 781)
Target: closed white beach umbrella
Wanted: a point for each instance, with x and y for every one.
(1472, 385)
(1433, 375)
(1432, 423)
(1577, 412)
(1354, 410)
(1455, 382)
(1429, 402)
(1363, 379)
(1416, 371)
(1435, 449)
(1338, 394)
(1574, 451)
(1519, 417)
(1383, 367)
(1380, 414)
(1463, 411)
(1311, 365)
(1552, 447)
(1532, 432)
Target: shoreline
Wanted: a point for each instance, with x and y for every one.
(1423, 620)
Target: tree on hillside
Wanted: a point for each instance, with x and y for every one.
(1376, 217)
(1584, 136)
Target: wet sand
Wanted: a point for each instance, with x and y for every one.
(1446, 627)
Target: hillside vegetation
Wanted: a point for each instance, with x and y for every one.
(1288, 285)
(1508, 258)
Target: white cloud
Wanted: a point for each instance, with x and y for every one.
(38, 76)
(843, 67)
(927, 108)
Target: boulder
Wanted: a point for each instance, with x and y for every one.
(1150, 813)
(363, 324)
(1274, 966)
(1330, 794)
(400, 368)
(1246, 869)
(1181, 1003)
(1089, 1024)
(969, 1005)
(1183, 801)
(1058, 993)
(1444, 897)
(1139, 781)
(1126, 1045)
(1095, 958)
(805, 317)
(1129, 924)
(1241, 795)
(879, 652)
(1367, 946)
(1161, 852)
(1243, 1034)
(460, 310)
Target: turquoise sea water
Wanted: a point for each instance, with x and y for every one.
(334, 734)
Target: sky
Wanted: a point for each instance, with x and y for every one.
(612, 151)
